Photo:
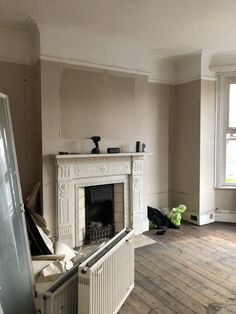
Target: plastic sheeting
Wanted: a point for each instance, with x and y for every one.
(16, 283)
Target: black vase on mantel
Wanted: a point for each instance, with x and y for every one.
(138, 147)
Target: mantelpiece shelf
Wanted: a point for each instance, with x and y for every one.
(68, 156)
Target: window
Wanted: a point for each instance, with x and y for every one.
(226, 131)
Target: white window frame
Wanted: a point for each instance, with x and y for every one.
(222, 115)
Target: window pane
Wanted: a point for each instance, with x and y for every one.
(230, 161)
(232, 106)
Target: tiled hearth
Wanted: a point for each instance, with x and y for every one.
(75, 172)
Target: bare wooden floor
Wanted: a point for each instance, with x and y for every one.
(190, 270)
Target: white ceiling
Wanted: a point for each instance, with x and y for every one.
(167, 27)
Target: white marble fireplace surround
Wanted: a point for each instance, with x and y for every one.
(74, 172)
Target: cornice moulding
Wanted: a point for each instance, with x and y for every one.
(92, 51)
(74, 46)
(209, 78)
(223, 68)
(93, 65)
(223, 62)
(69, 45)
(165, 82)
(195, 78)
(176, 83)
(18, 44)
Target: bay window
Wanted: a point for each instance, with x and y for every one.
(226, 131)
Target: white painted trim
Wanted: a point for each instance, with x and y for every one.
(222, 105)
(209, 78)
(225, 215)
(223, 62)
(196, 78)
(145, 224)
(207, 217)
(223, 68)
(219, 126)
(102, 155)
(205, 78)
(224, 187)
(159, 81)
(17, 60)
(202, 218)
(92, 65)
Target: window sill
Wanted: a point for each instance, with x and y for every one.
(226, 187)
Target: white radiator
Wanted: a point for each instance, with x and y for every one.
(99, 285)
(107, 278)
(61, 297)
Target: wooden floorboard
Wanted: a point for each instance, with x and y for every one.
(187, 270)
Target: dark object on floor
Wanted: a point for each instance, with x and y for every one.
(37, 244)
(161, 231)
(158, 219)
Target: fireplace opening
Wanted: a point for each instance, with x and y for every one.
(99, 212)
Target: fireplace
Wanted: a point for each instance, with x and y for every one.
(85, 176)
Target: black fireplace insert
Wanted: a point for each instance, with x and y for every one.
(99, 212)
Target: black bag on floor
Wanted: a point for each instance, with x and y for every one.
(158, 219)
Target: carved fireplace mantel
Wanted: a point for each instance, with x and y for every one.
(74, 172)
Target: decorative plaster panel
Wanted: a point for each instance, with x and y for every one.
(64, 172)
(101, 167)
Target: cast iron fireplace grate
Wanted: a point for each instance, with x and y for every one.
(99, 212)
(96, 233)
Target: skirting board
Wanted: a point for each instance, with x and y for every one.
(225, 215)
(199, 219)
(145, 224)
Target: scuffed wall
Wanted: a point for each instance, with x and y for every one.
(107, 103)
(158, 118)
(225, 200)
(186, 145)
(21, 84)
(140, 108)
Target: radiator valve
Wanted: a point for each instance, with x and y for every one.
(84, 270)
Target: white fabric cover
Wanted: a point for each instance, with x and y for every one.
(62, 248)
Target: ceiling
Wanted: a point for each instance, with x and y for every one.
(166, 27)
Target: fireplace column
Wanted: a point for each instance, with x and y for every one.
(65, 204)
(140, 223)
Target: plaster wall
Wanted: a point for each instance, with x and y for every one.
(158, 186)
(19, 82)
(225, 200)
(186, 145)
(79, 103)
